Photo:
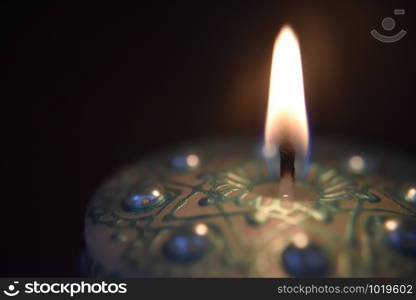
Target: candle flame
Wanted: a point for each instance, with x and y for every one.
(286, 112)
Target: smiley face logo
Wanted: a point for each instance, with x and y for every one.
(11, 290)
(388, 24)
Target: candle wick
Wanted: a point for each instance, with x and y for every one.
(287, 159)
(287, 169)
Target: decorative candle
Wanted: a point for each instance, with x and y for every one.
(219, 208)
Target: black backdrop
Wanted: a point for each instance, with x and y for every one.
(110, 81)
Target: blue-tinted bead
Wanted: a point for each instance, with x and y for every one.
(304, 262)
(184, 162)
(143, 198)
(204, 201)
(186, 246)
(400, 235)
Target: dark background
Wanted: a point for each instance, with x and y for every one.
(111, 81)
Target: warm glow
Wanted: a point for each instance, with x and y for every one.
(155, 193)
(192, 160)
(201, 229)
(300, 240)
(391, 225)
(357, 163)
(410, 194)
(286, 112)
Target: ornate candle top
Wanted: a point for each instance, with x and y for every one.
(210, 209)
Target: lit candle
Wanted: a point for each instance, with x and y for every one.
(217, 209)
(286, 122)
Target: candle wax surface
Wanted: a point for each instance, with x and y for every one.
(211, 209)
